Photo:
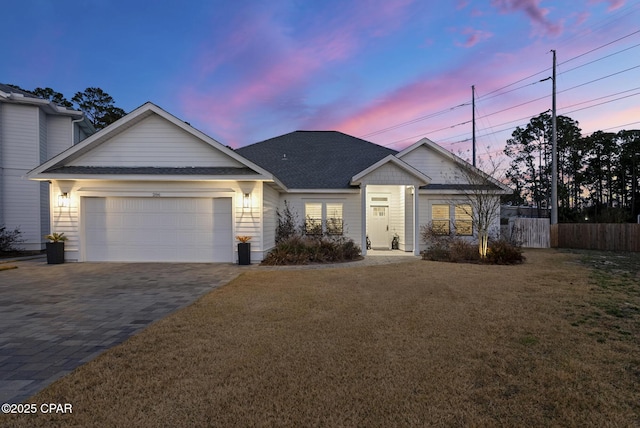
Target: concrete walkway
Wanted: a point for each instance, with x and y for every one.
(54, 318)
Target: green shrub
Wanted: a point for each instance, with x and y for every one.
(502, 252)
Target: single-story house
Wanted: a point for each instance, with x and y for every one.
(150, 187)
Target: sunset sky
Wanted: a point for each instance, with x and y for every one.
(389, 71)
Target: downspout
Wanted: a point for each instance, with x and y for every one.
(73, 122)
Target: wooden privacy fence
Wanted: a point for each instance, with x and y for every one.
(596, 236)
(532, 232)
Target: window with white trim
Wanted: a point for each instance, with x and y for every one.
(313, 218)
(334, 220)
(321, 217)
(440, 219)
(464, 219)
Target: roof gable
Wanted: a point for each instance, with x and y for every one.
(154, 142)
(391, 170)
(315, 159)
(151, 138)
(444, 167)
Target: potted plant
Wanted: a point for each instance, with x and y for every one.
(244, 250)
(55, 248)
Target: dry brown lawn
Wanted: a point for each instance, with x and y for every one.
(412, 344)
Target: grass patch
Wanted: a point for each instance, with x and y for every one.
(614, 302)
(412, 344)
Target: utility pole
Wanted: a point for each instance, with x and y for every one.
(554, 150)
(473, 121)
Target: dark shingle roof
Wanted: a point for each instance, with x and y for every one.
(315, 159)
(148, 170)
(10, 89)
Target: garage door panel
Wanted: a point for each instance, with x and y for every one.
(158, 229)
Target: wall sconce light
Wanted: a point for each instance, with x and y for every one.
(63, 200)
(246, 201)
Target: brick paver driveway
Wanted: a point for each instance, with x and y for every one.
(53, 318)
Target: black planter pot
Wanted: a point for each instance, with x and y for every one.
(244, 253)
(55, 253)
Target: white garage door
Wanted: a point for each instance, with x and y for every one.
(158, 229)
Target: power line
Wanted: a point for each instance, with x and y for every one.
(524, 124)
(412, 121)
(487, 96)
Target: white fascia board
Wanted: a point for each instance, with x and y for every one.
(145, 177)
(323, 191)
(50, 106)
(459, 192)
(355, 180)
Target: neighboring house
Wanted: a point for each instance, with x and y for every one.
(32, 130)
(152, 188)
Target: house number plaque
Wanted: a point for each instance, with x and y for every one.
(155, 195)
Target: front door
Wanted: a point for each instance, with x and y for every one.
(379, 228)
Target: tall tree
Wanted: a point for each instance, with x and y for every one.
(51, 95)
(98, 106)
(602, 157)
(530, 151)
(629, 171)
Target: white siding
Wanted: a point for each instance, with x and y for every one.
(248, 219)
(58, 135)
(158, 143)
(439, 168)
(269, 216)
(42, 136)
(20, 133)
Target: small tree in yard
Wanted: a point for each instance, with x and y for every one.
(287, 223)
(481, 194)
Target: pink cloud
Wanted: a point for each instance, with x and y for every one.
(613, 4)
(265, 63)
(474, 37)
(532, 9)
(461, 4)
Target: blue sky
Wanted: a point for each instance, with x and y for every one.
(244, 71)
